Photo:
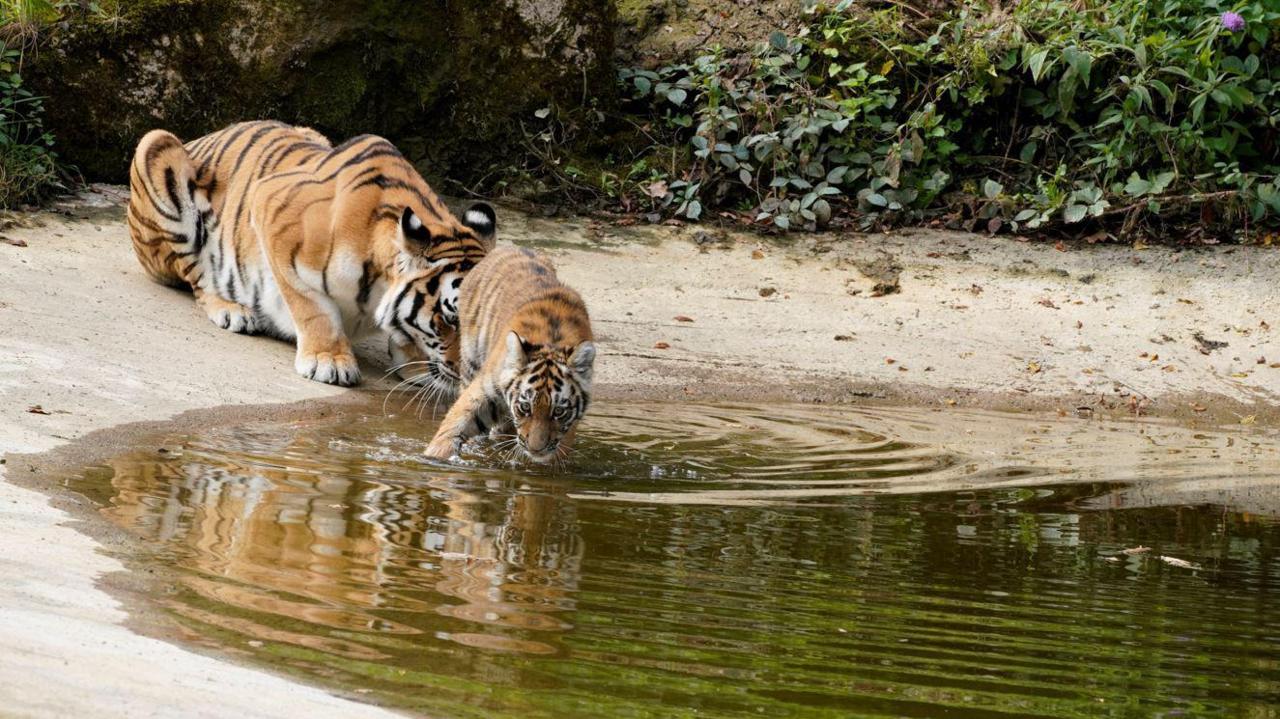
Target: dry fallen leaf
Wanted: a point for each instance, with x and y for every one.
(757, 255)
(951, 403)
(13, 241)
(1251, 419)
(1198, 407)
(662, 346)
(1239, 375)
(1047, 303)
(768, 291)
(1175, 562)
(1169, 368)
(1033, 367)
(683, 318)
(37, 409)
(844, 338)
(889, 360)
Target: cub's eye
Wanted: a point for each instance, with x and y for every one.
(523, 408)
(560, 412)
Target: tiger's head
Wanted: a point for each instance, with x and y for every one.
(547, 392)
(419, 312)
(420, 316)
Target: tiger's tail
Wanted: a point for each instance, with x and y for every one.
(164, 220)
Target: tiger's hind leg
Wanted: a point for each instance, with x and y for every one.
(163, 217)
(167, 222)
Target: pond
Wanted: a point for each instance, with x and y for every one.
(730, 561)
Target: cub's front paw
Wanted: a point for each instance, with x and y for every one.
(440, 448)
(338, 368)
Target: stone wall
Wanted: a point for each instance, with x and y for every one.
(447, 80)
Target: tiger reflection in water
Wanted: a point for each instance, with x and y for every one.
(296, 554)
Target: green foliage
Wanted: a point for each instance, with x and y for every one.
(29, 168)
(1127, 113)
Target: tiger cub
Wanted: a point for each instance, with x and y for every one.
(526, 357)
(277, 232)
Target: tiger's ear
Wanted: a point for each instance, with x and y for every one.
(412, 228)
(583, 360)
(482, 220)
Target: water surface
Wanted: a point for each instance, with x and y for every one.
(732, 561)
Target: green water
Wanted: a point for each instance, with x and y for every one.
(730, 562)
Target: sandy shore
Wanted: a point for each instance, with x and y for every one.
(966, 322)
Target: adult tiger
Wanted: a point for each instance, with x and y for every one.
(278, 232)
(527, 358)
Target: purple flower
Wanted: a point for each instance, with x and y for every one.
(1232, 22)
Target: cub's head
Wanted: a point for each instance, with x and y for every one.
(547, 391)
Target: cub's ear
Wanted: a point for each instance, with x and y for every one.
(583, 359)
(412, 228)
(482, 220)
(517, 353)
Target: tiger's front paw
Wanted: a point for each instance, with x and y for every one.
(231, 316)
(338, 368)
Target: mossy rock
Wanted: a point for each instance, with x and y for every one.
(449, 82)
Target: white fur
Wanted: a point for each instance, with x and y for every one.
(478, 220)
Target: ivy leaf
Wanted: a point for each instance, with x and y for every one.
(694, 210)
(1136, 186)
(991, 189)
(1035, 64)
(778, 40)
(1161, 182)
(1080, 61)
(643, 85)
(1074, 213)
(677, 96)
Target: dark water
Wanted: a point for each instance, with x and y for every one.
(733, 562)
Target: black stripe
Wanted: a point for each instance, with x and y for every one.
(367, 278)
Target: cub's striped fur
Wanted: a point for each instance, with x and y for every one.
(527, 357)
(277, 232)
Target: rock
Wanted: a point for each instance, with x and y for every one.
(448, 82)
